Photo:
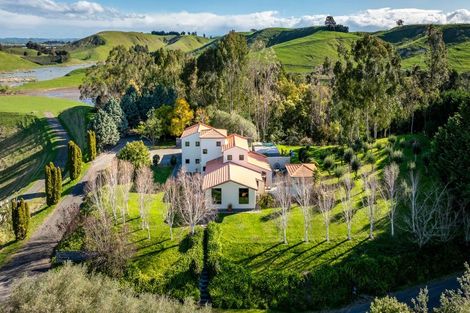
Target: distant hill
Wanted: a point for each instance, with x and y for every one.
(97, 47)
(12, 62)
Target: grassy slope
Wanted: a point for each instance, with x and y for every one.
(12, 62)
(302, 54)
(71, 80)
(35, 105)
(75, 121)
(254, 240)
(128, 39)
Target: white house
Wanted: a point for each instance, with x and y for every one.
(233, 175)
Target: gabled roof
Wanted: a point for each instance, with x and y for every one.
(303, 170)
(235, 140)
(259, 160)
(218, 173)
(205, 130)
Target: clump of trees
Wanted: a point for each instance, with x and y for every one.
(20, 218)
(74, 160)
(53, 183)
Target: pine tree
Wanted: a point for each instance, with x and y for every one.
(91, 145)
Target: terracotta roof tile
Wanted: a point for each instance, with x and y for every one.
(234, 140)
(218, 173)
(303, 170)
(208, 131)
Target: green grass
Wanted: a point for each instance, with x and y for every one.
(71, 80)
(12, 62)
(27, 145)
(35, 105)
(303, 54)
(75, 120)
(87, 52)
(161, 173)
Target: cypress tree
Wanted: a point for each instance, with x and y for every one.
(15, 217)
(91, 145)
(20, 218)
(74, 160)
(49, 183)
(57, 185)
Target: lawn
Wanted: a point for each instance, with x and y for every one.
(268, 272)
(75, 120)
(35, 105)
(71, 80)
(12, 62)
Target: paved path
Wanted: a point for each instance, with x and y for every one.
(36, 190)
(435, 289)
(35, 255)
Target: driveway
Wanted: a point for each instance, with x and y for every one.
(35, 255)
(166, 154)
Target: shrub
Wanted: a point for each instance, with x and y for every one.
(366, 146)
(306, 141)
(86, 293)
(303, 155)
(369, 158)
(173, 160)
(135, 152)
(329, 162)
(339, 172)
(388, 152)
(156, 160)
(397, 156)
(403, 143)
(357, 145)
(416, 147)
(266, 201)
(379, 145)
(355, 165)
(388, 305)
(214, 253)
(392, 140)
(348, 155)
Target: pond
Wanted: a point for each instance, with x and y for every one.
(18, 78)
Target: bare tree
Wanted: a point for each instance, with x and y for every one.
(95, 191)
(196, 205)
(303, 189)
(112, 181)
(390, 192)
(369, 200)
(125, 175)
(326, 202)
(447, 218)
(171, 198)
(413, 193)
(283, 196)
(145, 187)
(346, 200)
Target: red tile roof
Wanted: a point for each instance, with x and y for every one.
(218, 173)
(205, 130)
(235, 140)
(303, 170)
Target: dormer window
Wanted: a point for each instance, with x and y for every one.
(241, 157)
(229, 157)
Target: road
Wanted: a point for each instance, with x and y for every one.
(435, 289)
(35, 255)
(36, 190)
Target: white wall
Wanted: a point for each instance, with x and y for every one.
(192, 153)
(213, 152)
(235, 152)
(230, 196)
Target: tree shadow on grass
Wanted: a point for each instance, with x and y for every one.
(267, 261)
(155, 252)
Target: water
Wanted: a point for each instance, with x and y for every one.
(38, 74)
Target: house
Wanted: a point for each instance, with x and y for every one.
(233, 174)
(301, 171)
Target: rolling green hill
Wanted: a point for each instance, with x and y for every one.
(12, 62)
(97, 47)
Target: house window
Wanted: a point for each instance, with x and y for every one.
(217, 195)
(218, 143)
(186, 143)
(241, 157)
(198, 143)
(187, 161)
(203, 168)
(243, 196)
(229, 157)
(198, 161)
(204, 151)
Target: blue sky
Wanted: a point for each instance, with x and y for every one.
(78, 18)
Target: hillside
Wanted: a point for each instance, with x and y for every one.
(97, 47)
(12, 62)
(303, 54)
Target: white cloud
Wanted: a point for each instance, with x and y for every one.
(54, 18)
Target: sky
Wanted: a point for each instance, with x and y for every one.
(74, 19)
